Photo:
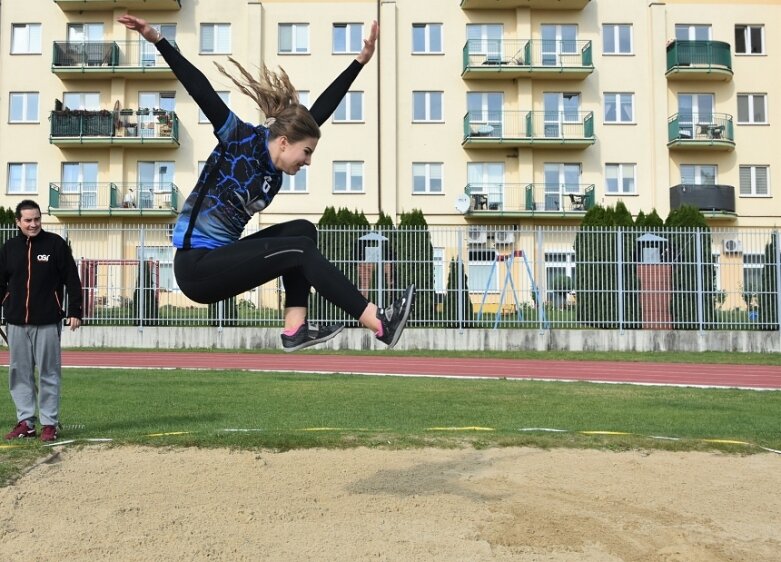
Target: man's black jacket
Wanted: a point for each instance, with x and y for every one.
(32, 274)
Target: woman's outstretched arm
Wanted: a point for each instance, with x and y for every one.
(193, 80)
(329, 100)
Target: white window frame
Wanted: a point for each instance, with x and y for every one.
(747, 42)
(438, 257)
(303, 97)
(221, 39)
(27, 103)
(555, 265)
(225, 96)
(479, 272)
(28, 178)
(693, 32)
(753, 170)
(751, 106)
(351, 169)
(487, 178)
(428, 173)
(618, 99)
(352, 39)
(428, 39)
(79, 183)
(427, 99)
(298, 183)
(352, 101)
(697, 173)
(26, 39)
(299, 39)
(164, 256)
(614, 30)
(486, 39)
(625, 176)
(89, 101)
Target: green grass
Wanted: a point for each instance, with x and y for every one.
(284, 411)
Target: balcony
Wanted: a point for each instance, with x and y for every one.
(534, 129)
(526, 58)
(712, 200)
(112, 199)
(713, 132)
(103, 5)
(107, 59)
(533, 4)
(699, 60)
(88, 129)
(529, 200)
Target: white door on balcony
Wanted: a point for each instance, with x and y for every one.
(685, 32)
(562, 110)
(695, 115)
(487, 179)
(558, 43)
(153, 100)
(149, 54)
(85, 39)
(485, 113)
(561, 179)
(81, 100)
(485, 43)
(79, 188)
(698, 174)
(155, 180)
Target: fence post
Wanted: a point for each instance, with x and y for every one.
(460, 287)
(777, 258)
(620, 277)
(698, 280)
(140, 305)
(539, 265)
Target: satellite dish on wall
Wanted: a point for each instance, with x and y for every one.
(462, 203)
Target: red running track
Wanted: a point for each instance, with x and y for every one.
(680, 374)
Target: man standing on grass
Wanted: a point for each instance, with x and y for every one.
(34, 266)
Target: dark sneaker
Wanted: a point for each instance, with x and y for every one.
(310, 334)
(21, 431)
(49, 433)
(394, 318)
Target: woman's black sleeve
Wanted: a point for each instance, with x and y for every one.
(196, 84)
(329, 100)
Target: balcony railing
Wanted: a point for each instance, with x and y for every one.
(538, 129)
(88, 198)
(532, 4)
(529, 199)
(128, 127)
(714, 131)
(706, 198)
(94, 59)
(535, 58)
(102, 5)
(706, 60)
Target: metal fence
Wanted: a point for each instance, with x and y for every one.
(467, 277)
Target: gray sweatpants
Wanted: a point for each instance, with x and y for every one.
(30, 347)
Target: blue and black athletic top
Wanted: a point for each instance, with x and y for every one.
(239, 178)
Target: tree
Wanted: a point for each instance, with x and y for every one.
(415, 260)
(456, 289)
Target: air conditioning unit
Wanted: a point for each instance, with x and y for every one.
(733, 246)
(504, 237)
(477, 235)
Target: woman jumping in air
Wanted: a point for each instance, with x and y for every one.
(240, 178)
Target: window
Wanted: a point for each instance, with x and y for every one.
(481, 271)
(487, 178)
(347, 38)
(616, 39)
(485, 112)
(157, 100)
(224, 96)
(215, 38)
(81, 100)
(620, 179)
(559, 273)
(348, 177)
(303, 97)
(427, 177)
(26, 39)
(427, 106)
(297, 183)
(163, 258)
(558, 41)
(155, 182)
(486, 40)
(749, 40)
(698, 174)
(293, 38)
(350, 108)
(22, 177)
(562, 109)
(79, 188)
(426, 38)
(561, 180)
(83, 32)
(24, 107)
(754, 181)
(753, 267)
(619, 107)
(149, 56)
(693, 110)
(438, 257)
(752, 108)
(685, 32)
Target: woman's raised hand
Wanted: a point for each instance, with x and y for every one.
(368, 44)
(142, 26)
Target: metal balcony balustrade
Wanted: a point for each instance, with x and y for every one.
(533, 199)
(536, 129)
(96, 59)
(99, 198)
(104, 127)
(704, 60)
(532, 58)
(532, 4)
(713, 131)
(103, 5)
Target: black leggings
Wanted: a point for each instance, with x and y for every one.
(288, 250)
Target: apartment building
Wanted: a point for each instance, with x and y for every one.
(502, 112)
